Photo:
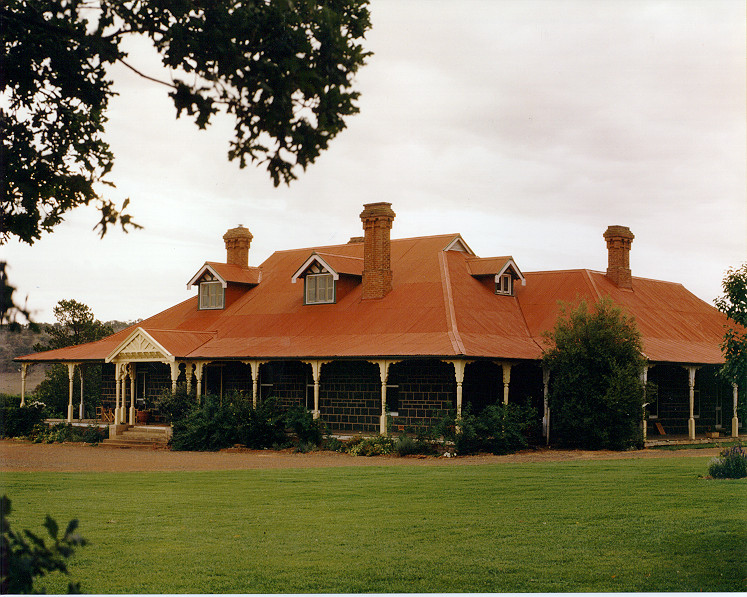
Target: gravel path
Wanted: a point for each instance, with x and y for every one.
(20, 455)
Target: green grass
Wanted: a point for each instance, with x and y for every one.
(623, 525)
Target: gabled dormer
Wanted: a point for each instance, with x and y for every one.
(503, 270)
(220, 283)
(215, 280)
(325, 276)
(458, 244)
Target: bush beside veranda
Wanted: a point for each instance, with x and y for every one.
(64, 432)
(498, 429)
(222, 423)
(596, 393)
(20, 422)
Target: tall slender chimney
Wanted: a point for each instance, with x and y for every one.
(237, 246)
(377, 271)
(619, 239)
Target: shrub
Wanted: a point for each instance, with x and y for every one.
(217, 424)
(406, 445)
(333, 444)
(9, 400)
(498, 429)
(174, 406)
(25, 556)
(264, 426)
(64, 432)
(93, 434)
(208, 427)
(596, 394)
(730, 464)
(308, 430)
(378, 445)
(20, 422)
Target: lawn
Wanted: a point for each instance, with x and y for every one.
(618, 525)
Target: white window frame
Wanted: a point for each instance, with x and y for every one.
(212, 295)
(505, 285)
(653, 407)
(392, 413)
(312, 289)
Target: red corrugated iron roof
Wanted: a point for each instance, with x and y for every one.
(436, 308)
(237, 274)
(344, 264)
(676, 326)
(170, 344)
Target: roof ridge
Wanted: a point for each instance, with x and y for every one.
(451, 321)
(232, 264)
(179, 331)
(338, 255)
(593, 284)
(347, 244)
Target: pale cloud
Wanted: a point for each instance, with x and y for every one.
(528, 126)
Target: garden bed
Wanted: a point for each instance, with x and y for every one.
(22, 455)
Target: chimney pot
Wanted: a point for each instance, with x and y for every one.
(619, 240)
(377, 272)
(237, 246)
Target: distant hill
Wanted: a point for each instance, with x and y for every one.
(18, 343)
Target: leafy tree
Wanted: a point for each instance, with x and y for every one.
(25, 556)
(734, 305)
(75, 325)
(283, 69)
(596, 393)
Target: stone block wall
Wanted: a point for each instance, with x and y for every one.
(288, 379)
(427, 389)
(350, 396)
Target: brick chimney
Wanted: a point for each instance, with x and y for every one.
(377, 272)
(619, 239)
(237, 246)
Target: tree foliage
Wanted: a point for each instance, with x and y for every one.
(596, 393)
(733, 304)
(283, 69)
(25, 556)
(75, 325)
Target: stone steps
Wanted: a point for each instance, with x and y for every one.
(139, 436)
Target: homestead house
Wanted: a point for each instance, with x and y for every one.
(381, 330)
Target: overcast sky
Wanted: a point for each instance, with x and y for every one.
(527, 126)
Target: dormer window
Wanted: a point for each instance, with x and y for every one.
(211, 295)
(504, 284)
(320, 288)
(325, 275)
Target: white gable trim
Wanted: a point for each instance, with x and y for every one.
(209, 269)
(318, 259)
(140, 346)
(516, 272)
(458, 244)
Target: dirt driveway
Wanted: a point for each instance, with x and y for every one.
(19, 455)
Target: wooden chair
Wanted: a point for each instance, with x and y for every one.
(105, 414)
